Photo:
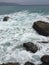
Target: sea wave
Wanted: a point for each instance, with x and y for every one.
(17, 30)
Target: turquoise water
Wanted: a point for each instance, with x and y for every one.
(36, 8)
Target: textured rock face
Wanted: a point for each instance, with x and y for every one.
(6, 18)
(29, 63)
(41, 27)
(45, 59)
(30, 47)
(11, 64)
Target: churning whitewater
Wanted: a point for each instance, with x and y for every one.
(18, 30)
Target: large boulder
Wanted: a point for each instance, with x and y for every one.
(5, 18)
(45, 59)
(11, 64)
(41, 27)
(30, 47)
(29, 63)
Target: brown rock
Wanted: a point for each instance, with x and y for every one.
(30, 47)
(5, 18)
(29, 63)
(41, 27)
(45, 59)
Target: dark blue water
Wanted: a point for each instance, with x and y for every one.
(35, 9)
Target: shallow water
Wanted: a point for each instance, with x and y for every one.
(17, 30)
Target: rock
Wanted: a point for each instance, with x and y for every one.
(29, 63)
(44, 64)
(41, 27)
(11, 64)
(45, 59)
(43, 42)
(30, 47)
(5, 18)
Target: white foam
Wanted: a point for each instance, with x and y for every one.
(17, 30)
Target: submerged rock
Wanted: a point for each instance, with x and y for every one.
(43, 42)
(11, 64)
(30, 47)
(29, 63)
(5, 18)
(41, 27)
(45, 59)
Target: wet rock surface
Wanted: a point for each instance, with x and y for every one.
(29, 63)
(45, 59)
(30, 47)
(41, 27)
(11, 64)
(43, 42)
(5, 18)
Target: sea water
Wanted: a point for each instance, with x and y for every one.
(18, 30)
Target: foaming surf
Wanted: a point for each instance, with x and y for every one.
(17, 30)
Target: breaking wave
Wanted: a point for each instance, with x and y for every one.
(17, 30)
